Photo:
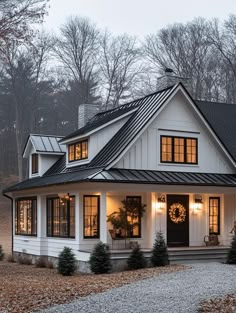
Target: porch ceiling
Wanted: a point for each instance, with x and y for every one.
(128, 176)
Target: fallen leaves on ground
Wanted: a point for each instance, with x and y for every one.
(226, 304)
(25, 288)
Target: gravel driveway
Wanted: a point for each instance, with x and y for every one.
(179, 292)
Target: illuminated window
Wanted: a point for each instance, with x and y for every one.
(214, 215)
(178, 150)
(35, 163)
(78, 151)
(91, 216)
(61, 217)
(26, 217)
(134, 213)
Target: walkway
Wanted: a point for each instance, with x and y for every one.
(179, 292)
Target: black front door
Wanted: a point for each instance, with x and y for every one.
(177, 220)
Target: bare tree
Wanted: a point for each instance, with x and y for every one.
(223, 37)
(77, 50)
(185, 49)
(18, 16)
(119, 67)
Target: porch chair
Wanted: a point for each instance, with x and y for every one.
(211, 240)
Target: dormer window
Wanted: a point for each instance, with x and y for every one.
(179, 150)
(78, 151)
(35, 163)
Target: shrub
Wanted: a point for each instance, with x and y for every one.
(41, 262)
(231, 257)
(1, 253)
(136, 259)
(159, 256)
(66, 262)
(100, 259)
(11, 258)
(24, 259)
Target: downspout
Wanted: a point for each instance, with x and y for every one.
(5, 195)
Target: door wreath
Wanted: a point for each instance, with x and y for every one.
(177, 213)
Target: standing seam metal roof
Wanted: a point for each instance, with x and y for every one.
(147, 107)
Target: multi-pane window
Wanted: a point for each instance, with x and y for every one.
(134, 214)
(91, 216)
(35, 163)
(78, 151)
(26, 217)
(61, 217)
(179, 150)
(214, 215)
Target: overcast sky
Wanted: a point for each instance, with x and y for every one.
(137, 17)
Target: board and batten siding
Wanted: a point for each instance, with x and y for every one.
(177, 118)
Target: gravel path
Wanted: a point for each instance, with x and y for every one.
(179, 292)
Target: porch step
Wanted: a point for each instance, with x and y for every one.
(183, 255)
(198, 255)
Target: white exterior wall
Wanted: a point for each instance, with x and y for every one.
(45, 161)
(98, 140)
(177, 119)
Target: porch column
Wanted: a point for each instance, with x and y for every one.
(103, 217)
(78, 218)
(42, 224)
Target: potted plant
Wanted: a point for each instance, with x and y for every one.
(126, 219)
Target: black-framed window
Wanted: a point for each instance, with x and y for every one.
(214, 215)
(91, 216)
(35, 163)
(78, 151)
(179, 150)
(134, 215)
(61, 217)
(26, 216)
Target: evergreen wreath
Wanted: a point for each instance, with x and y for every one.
(177, 213)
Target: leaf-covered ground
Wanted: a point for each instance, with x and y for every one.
(25, 288)
(225, 304)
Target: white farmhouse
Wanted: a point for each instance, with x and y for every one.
(173, 154)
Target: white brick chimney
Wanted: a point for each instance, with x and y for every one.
(86, 112)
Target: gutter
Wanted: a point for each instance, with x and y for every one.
(5, 195)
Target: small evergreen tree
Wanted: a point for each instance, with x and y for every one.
(231, 258)
(136, 259)
(66, 262)
(1, 253)
(100, 259)
(159, 256)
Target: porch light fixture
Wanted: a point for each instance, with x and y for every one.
(64, 198)
(198, 202)
(161, 202)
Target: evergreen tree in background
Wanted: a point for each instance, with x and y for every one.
(231, 258)
(159, 255)
(66, 262)
(136, 259)
(100, 259)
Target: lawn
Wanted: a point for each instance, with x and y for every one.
(25, 288)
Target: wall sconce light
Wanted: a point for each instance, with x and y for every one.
(198, 202)
(161, 203)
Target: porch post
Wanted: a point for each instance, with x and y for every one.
(42, 224)
(78, 218)
(103, 217)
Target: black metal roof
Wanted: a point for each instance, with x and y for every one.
(103, 118)
(115, 175)
(147, 107)
(222, 119)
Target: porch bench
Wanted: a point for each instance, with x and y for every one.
(118, 240)
(211, 240)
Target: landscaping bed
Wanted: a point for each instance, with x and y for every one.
(25, 288)
(225, 304)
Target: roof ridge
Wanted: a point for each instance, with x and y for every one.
(42, 135)
(216, 102)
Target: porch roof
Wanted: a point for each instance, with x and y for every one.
(116, 175)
